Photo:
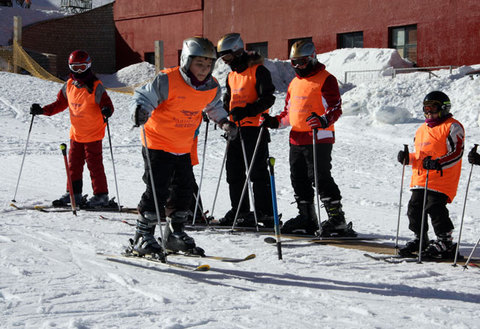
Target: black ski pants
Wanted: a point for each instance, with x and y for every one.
(302, 172)
(236, 171)
(166, 168)
(435, 207)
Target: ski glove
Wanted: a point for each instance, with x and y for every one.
(429, 163)
(239, 113)
(269, 121)
(107, 112)
(403, 156)
(36, 109)
(141, 116)
(205, 117)
(231, 130)
(473, 156)
(315, 121)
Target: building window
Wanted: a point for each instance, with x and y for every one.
(350, 40)
(259, 47)
(292, 41)
(149, 58)
(404, 39)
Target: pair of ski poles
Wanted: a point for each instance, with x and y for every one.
(63, 148)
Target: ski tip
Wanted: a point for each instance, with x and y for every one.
(270, 240)
(203, 268)
(252, 256)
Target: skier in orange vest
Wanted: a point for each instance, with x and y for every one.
(170, 109)
(439, 144)
(313, 102)
(249, 93)
(89, 104)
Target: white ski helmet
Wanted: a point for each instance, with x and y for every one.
(196, 47)
(229, 43)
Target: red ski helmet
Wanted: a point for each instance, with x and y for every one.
(79, 61)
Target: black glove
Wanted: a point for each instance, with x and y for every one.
(230, 129)
(107, 112)
(36, 109)
(403, 156)
(316, 121)
(205, 117)
(269, 121)
(141, 116)
(429, 163)
(239, 113)
(473, 156)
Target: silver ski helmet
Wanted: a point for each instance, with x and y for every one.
(303, 52)
(230, 43)
(440, 100)
(196, 47)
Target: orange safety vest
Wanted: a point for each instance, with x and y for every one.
(431, 141)
(305, 98)
(86, 117)
(242, 92)
(171, 128)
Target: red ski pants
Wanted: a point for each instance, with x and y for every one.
(91, 153)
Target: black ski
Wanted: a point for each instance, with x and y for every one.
(290, 238)
(397, 259)
(50, 208)
(219, 258)
(122, 258)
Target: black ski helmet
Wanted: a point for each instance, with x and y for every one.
(440, 100)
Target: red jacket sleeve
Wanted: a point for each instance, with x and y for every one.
(59, 105)
(331, 95)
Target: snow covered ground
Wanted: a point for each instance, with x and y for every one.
(51, 276)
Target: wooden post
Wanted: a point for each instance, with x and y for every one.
(159, 56)
(17, 38)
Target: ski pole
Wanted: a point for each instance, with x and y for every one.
(406, 152)
(249, 171)
(63, 147)
(23, 158)
(271, 164)
(463, 212)
(315, 175)
(471, 254)
(113, 164)
(423, 219)
(219, 180)
(197, 196)
(152, 182)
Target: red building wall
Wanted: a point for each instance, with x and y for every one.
(448, 30)
(139, 23)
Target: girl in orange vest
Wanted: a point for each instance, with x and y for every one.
(439, 144)
(89, 105)
(249, 93)
(313, 102)
(170, 108)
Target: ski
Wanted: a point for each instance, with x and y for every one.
(50, 208)
(122, 258)
(117, 220)
(397, 259)
(288, 238)
(219, 258)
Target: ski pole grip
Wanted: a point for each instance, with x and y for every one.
(63, 147)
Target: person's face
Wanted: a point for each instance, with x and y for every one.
(201, 67)
(228, 58)
(431, 111)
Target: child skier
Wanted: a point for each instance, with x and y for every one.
(170, 108)
(439, 144)
(89, 106)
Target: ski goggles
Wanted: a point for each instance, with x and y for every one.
(79, 67)
(431, 107)
(300, 61)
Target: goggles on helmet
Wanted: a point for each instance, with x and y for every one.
(79, 67)
(300, 61)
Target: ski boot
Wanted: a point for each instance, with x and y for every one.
(306, 221)
(412, 247)
(442, 248)
(336, 224)
(244, 219)
(98, 201)
(144, 243)
(175, 237)
(64, 200)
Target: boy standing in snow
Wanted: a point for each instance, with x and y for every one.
(170, 108)
(439, 146)
(249, 94)
(313, 103)
(89, 106)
